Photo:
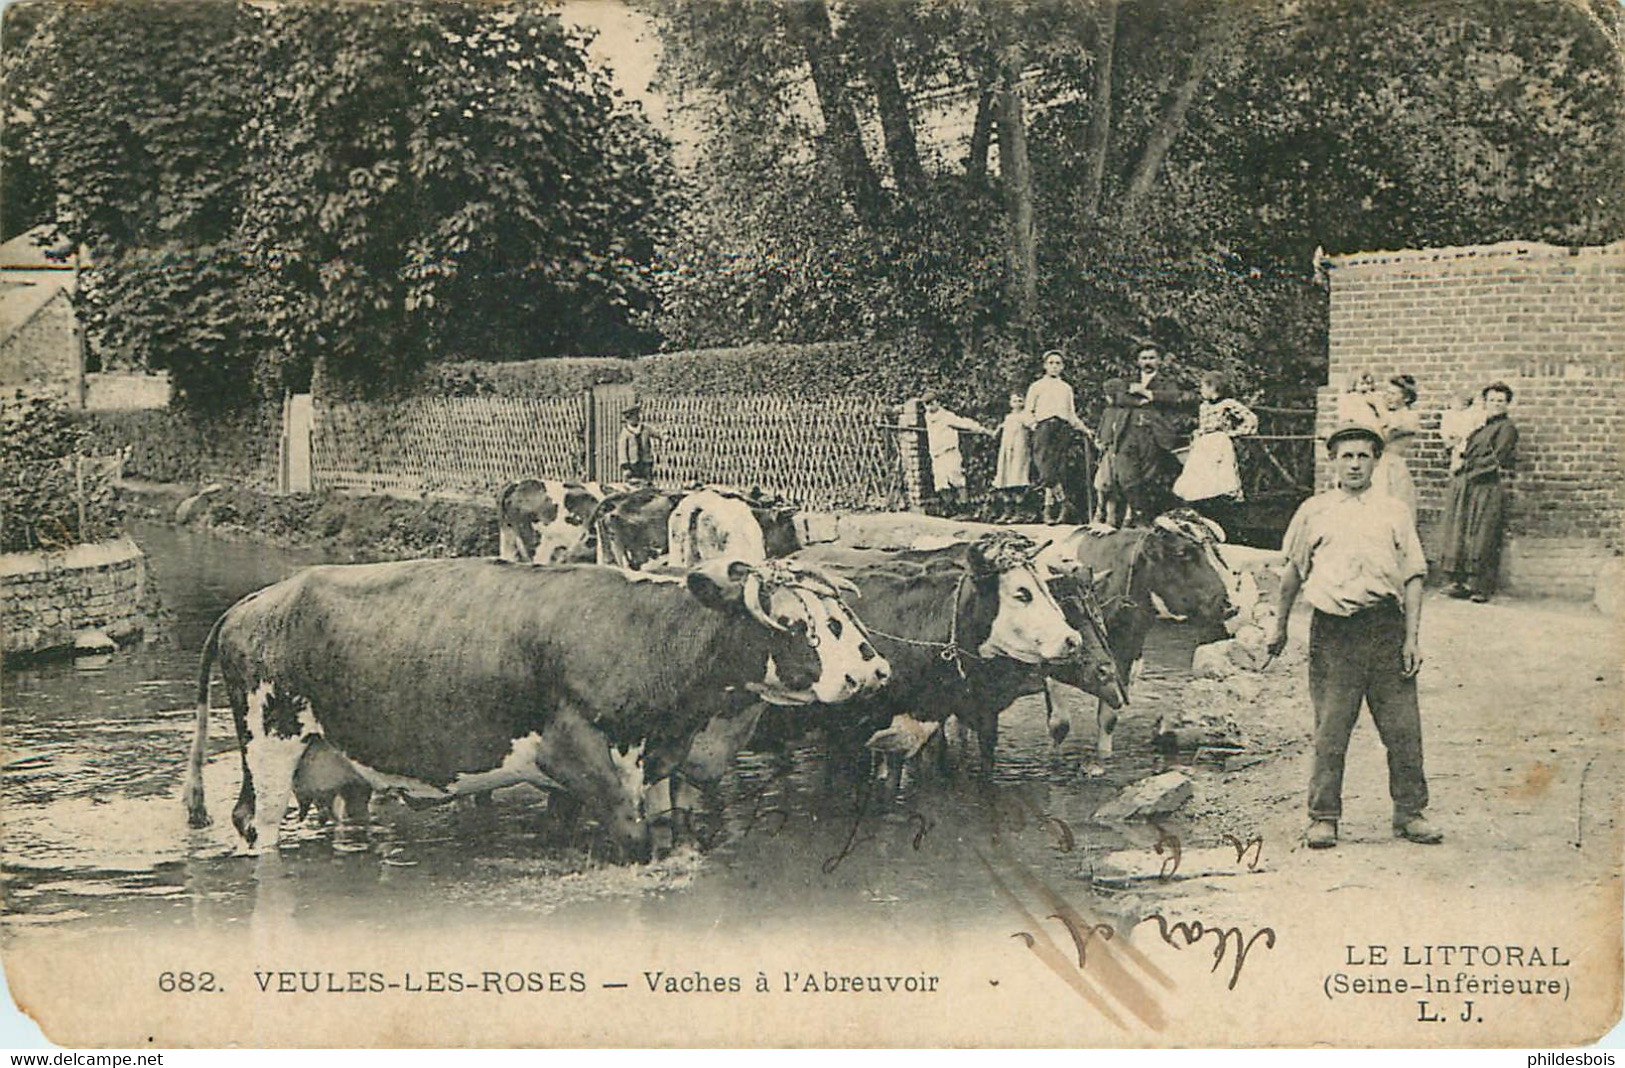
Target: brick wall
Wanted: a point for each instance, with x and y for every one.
(1547, 321)
(50, 596)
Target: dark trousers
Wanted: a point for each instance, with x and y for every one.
(1360, 658)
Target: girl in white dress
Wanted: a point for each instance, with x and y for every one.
(1015, 456)
(1210, 468)
(1401, 422)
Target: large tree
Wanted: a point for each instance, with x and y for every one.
(984, 177)
(271, 188)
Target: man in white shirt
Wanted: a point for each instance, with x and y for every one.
(1053, 413)
(1355, 556)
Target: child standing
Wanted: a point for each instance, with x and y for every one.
(634, 449)
(1015, 454)
(1210, 469)
(942, 427)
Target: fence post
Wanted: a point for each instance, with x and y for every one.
(916, 453)
(79, 491)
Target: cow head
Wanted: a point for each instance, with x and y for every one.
(1012, 612)
(1094, 668)
(817, 649)
(1183, 568)
(627, 827)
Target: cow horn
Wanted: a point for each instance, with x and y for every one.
(753, 603)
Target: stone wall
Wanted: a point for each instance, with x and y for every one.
(1547, 321)
(49, 597)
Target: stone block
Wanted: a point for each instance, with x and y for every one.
(1156, 796)
(92, 642)
(1214, 660)
(816, 528)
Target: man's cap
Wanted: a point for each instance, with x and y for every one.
(633, 409)
(1354, 430)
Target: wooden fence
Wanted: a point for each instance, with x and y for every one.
(834, 452)
(829, 453)
(470, 446)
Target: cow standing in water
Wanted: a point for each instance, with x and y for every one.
(1170, 566)
(439, 678)
(547, 521)
(973, 688)
(684, 527)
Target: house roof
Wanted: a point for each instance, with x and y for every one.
(22, 296)
(39, 249)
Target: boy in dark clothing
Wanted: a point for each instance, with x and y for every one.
(635, 448)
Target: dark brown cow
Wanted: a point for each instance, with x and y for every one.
(440, 678)
(986, 687)
(1173, 562)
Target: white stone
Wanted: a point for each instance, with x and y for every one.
(816, 528)
(1156, 796)
(93, 641)
(1214, 660)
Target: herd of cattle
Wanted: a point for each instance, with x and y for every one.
(635, 662)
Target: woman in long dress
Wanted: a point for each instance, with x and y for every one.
(1400, 424)
(1210, 467)
(1478, 501)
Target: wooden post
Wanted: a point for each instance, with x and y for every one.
(79, 492)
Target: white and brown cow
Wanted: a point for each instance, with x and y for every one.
(442, 678)
(545, 521)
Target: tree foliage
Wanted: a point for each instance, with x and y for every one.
(860, 166)
(364, 188)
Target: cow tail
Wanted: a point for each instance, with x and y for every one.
(196, 814)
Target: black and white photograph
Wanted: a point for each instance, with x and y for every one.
(812, 523)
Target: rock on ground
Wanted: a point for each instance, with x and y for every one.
(1156, 796)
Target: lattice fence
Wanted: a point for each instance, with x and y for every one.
(827, 453)
(466, 445)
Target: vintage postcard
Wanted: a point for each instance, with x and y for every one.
(1038, 524)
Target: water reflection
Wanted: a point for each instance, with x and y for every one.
(94, 831)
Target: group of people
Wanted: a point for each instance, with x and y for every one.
(1142, 464)
(1483, 446)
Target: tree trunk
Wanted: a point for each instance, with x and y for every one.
(1100, 106)
(1167, 128)
(1016, 172)
(897, 124)
(981, 134)
(834, 102)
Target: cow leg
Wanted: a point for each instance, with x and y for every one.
(715, 747)
(578, 756)
(563, 816)
(988, 739)
(272, 762)
(1059, 727)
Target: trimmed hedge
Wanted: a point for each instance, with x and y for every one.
(564, 377)
(168, 445)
